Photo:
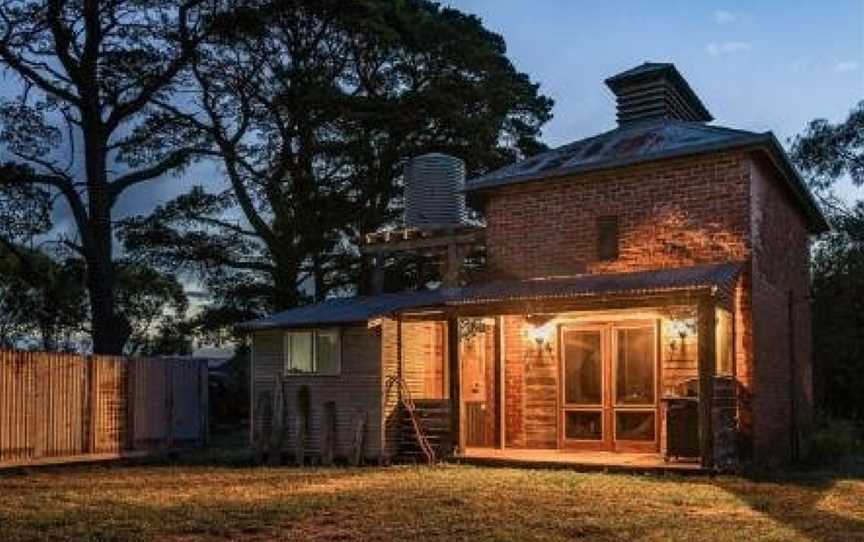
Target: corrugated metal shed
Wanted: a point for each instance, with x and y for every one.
(362, 309)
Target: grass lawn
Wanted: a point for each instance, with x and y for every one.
(224, 502)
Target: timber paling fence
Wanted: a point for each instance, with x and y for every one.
(58, 407)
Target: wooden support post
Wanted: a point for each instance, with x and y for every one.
(278, 432)
(301, 425)
(329, 433)
(707, 365)
(499, 381)
(455, 383)
(262, 410)
(358, 442)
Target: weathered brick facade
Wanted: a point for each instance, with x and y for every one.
(725, 206)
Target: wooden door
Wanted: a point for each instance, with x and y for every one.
(477, 361)
(609, 387)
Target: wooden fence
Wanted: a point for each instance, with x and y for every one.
(64, 407)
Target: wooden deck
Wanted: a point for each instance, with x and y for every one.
(582, 461)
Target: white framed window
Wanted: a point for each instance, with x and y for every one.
(313, 352)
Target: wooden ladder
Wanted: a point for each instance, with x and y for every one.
(408, 403)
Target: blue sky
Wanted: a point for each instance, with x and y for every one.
(770, 65)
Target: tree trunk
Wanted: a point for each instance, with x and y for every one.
(109, 332)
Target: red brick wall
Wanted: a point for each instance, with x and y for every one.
(672, 213)
(676, 212)
(780, 265)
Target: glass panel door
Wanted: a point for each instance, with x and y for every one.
(635, 388)
(583, 384)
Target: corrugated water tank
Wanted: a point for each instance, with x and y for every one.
(433, 197)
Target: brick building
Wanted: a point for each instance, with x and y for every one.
(645, 296)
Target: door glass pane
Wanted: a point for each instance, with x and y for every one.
(583, 371)
(634, 426)
(583, 425)
(634, 370)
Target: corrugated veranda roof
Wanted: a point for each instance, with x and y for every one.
(362, 309)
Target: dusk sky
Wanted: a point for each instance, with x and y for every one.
(771, 66)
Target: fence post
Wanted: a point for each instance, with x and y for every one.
(204, 401)
(92, 403)
(131, 373)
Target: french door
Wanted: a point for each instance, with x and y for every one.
(609, 387)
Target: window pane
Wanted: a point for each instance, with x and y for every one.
(634, 426)
(583, 372)
(301, 352)
(634, 370)
(329, 352)
(583, 425)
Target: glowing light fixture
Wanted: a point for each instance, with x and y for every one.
(540, 330)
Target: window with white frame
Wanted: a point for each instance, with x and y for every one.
(313, 352)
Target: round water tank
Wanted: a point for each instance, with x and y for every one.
(433, 197)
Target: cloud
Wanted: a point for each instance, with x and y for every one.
(728, 47)
(721, 16)
(846, 66)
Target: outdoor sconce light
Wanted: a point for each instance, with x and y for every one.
(540, 330)
(682, 329)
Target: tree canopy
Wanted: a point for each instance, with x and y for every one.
(90, 73)
(827, 153)
(312, 108)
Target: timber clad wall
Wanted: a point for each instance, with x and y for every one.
(531, 404)
(357, 388)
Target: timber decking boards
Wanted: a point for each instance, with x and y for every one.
(588, 461)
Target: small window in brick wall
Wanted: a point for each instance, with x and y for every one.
(607, 238)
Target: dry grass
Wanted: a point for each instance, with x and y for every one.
(223, 502)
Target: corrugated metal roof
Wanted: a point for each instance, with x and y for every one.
(640, 282)
(349, 309)
(644, 142)
(361, 309)
(633, 143)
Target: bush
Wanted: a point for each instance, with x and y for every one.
(834, 442)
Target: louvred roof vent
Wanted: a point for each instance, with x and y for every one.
(655, 91)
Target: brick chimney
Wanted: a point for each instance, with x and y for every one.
(655, 91)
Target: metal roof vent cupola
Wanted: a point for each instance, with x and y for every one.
(655, 91)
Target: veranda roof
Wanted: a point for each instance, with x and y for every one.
(361, 309)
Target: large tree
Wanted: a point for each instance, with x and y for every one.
(827, 153)
(313, 108)
(90, 72)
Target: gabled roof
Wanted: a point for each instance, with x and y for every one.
(362, 309)
(645, 142)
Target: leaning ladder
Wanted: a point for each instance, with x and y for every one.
(408, 403)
